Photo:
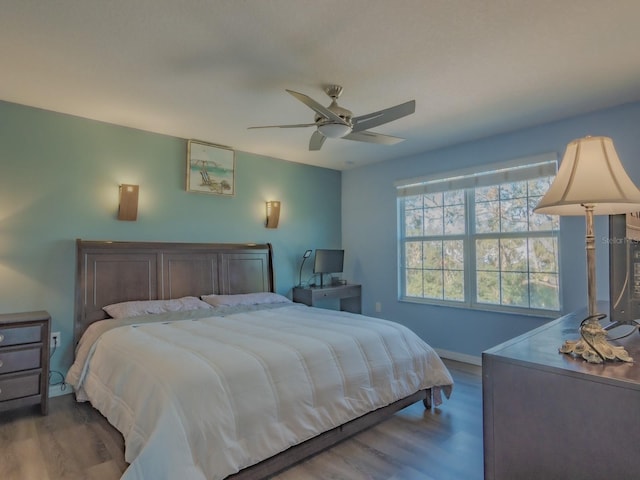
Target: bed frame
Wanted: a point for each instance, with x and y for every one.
(112, 272)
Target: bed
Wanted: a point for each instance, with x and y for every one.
(241, 385)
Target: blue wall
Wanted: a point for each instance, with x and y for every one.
(59, 178)
(369, 220)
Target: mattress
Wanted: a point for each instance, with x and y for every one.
(203, 394)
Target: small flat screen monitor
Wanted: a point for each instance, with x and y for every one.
(328, 261)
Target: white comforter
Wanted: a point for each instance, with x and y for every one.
(205, 397)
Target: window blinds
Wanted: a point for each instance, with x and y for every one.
(516, 170)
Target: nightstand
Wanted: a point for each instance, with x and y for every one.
(349, 296)
(24, 360)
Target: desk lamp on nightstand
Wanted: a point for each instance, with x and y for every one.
(591, 181)
(306, 255)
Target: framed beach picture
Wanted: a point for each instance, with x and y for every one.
(210, 168)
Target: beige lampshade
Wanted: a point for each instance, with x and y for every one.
(590, 173)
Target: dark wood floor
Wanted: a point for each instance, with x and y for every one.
(75, 442)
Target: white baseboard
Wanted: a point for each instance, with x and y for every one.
(56, 390)
(459, 357)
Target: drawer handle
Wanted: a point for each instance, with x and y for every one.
(1, 363)
(1, 338)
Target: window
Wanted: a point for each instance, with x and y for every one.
(471, 238)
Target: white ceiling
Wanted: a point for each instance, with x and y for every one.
(208, 69)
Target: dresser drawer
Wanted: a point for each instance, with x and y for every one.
(15, 360)
(20, 335)
(18, 386)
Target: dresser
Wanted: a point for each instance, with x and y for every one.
(349, 296)
(24, 360)
(551, 416)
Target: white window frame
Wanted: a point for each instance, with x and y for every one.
(520, 169)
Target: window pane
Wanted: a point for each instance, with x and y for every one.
(432, 283)
(454, 285)
(515, 289)
(433, 200)
(488, 254)
(486, 194)
(413, 254)
(513, 254)
(453, 254)
(488, 286)
(454, 220)
(543, 255)
(539, 186)
(433, 255)
(487, 217)
(433, 222)
(544, 291)
(540, 221)
(514, 215)
(413, 280)
(454, 197)
(413, 202)
(513, 190)
(413, 223)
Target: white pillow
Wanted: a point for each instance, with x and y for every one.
(244, 299)
(143, 307)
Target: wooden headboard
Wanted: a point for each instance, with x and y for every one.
(112, 272)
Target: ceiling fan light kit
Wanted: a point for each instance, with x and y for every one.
(334, 130)
(337, 122)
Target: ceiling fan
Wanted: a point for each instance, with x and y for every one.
(337, 122)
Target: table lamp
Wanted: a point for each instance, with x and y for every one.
(304, 258)
(591, 181)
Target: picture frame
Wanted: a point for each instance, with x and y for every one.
(210, 169)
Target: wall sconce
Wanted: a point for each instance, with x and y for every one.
(128, 202)
(273, 214)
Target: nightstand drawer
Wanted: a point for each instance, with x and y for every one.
(349, 296)
(24, 360)
(339, 292)
(16, 360)
(18, 386)
(20, 335)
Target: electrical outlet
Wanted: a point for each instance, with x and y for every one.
(378, 307)
(55, 339)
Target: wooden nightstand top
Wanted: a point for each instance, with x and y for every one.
(10, 318)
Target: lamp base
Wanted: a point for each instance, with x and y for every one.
(593, 346)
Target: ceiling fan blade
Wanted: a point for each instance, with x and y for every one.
(317, 139)
(316, 107)
(365, 122)
(297, 125)
(373, 137)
